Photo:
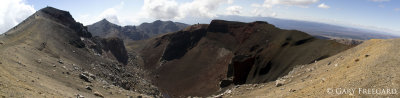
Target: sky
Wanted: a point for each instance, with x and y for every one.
(382, 15)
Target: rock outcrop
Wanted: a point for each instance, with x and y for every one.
(117, 48)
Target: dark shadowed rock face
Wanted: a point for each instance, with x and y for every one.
(117, 48)
(222, 26)
(241, 68)
(181, 42)
(113, 45)
(61, 16)
(201, 59)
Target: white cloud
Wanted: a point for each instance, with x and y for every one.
(230, 1)
(161, 9)
(323, 5)
(13, 12)
(260, 11)
(234, 10)
(255, 5)
(301, 3)
(265, 9)
(201, 8)
(111, 14)
(273, 14)
(379, 0)
(170, 9)
(114, 14)
(158, 9)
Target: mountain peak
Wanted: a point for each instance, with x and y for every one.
(160, 22)
(157, 21)
(63, 17)
(105, 20)
(50, 8)
(56, 14)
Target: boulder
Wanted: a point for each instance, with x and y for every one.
(98, 94)
(79, 96)
(279, 82)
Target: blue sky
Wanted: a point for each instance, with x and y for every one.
(383, 15)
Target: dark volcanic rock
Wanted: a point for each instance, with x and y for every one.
(114, 45)
(117, 48)
(193, 62)
(218, 26)
(58, 15)
(181, 42)
(81, 30)
(85, 77)
(242, 67)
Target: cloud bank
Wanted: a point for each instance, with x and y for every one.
(170, 9)
(302, 3)
(111, 14)
(13, 12)
(234, 10)
(161, 9)
(323, 5)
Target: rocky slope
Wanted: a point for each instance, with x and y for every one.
(51, 55)
(367, 70)
(106, 29)
(202, 59)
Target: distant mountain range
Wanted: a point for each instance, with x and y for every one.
(107, 29)
(313, 28)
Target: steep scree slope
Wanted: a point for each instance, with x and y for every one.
(51, 55)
